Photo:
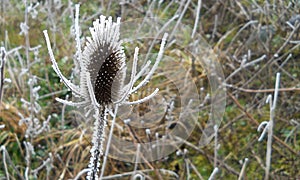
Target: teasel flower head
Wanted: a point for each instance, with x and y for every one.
(104, 59)
(102, 73)
(101, 63)
(103, 70)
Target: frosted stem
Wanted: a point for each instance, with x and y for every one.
(97, 149)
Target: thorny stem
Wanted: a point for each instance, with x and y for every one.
(97, 141)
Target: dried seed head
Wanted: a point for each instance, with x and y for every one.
(104, 59)
(109, 80)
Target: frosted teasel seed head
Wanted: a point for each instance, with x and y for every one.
(104, 59)
(102, 68)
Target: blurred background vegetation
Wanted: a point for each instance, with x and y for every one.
(238, 31)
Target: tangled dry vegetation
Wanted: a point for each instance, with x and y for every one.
(41, 138)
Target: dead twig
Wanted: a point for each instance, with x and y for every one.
(262, 90)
